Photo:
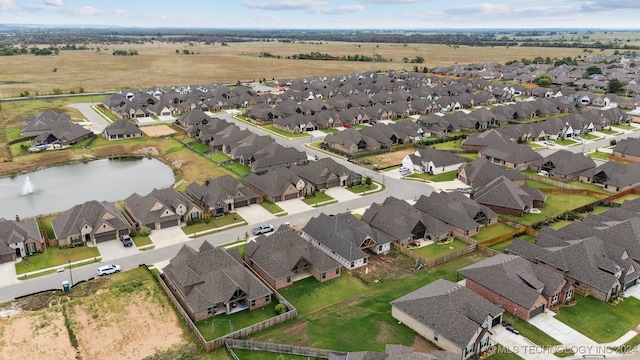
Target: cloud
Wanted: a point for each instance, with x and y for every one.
(600, 5)
(394, 2)
(57, 3)
(314, 7)
(6, 5)
(486, 9)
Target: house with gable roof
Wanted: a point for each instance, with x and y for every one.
(432, 161)
(279, 184)
(613, 176)
(345, 238)
(326, 173)
(162, 208)
(563, 165)
(449, 315)
(504, 196)
(283, 258)
(405, 224)
(19, 238)
(481, 172)
(523, 288)
(122, 129)
(213, 281)
(222, 194)
(627, 149)
(90, 222)
(509, 155)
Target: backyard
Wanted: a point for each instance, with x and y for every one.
(436, 250)
(492, 231)
(553, 206)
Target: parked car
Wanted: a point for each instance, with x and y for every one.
(404, 171)
(264, 228)
(126, 240)
(346, 126)
(549, 143)
(108, 269)
(577, 138)
(373, 122)
(512, 329)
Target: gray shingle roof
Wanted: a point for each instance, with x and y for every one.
(502, 192)
(454, 208)
(274, 182)
(451, 309)
(122, 127)
(564, 162)
(344, 234)
(510, 152)
(158, 206)
(93, 213)
(482, 171)
(278, 253)
(514, 278)
(216, 191)
(211, 276)
(13, 232)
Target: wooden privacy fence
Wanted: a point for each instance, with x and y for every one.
(437, 261)
(586, 192)
(277, 348)
(503, 237)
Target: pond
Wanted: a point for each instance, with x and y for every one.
(61, 187)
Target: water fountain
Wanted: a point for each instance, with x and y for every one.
(28, 187)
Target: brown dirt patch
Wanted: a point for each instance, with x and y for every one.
(36, 335)
(385, 267)
(157, 130)
(384, 160)
(422, 345)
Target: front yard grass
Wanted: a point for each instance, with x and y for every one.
(609, 131)
(284, 134)
(589, 136)
(329, 131)
(599, 321)
(529, 331)
(55, 257)
(140, 240)
(448, 176)
(492, 231)
(503, 353)
(317, 197)
(213, 223)
(554, 205)
(435, 250)
(600, 155)
(271, 207)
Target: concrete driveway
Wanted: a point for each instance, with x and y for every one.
(254, 214)
(341, 194)
(559, 330)
(97, 121)
(8, 274)
(113, 249)
(167, 237)
(293, 206)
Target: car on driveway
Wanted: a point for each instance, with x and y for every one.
(264, 228)
(549, 143)
(346, 126)
(108, 269)
(126, 240)
(577, 138)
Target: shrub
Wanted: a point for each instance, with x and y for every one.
(280, 309)
(145, 231)
(613, 142)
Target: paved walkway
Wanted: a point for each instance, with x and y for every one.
(254, 214)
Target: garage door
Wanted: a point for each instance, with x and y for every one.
(167, 224)
(242, 203)
(109, 235)
(630, 284)
(6, 258)
(291, 196)
(536, 311)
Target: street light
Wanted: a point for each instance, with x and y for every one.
(70, 273)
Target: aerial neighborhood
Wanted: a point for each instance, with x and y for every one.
(477, 202)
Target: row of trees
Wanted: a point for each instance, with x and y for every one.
(125, 52)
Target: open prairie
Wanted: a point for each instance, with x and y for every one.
(158, 64)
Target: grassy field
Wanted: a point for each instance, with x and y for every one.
(492, 231)
(53, 257)
(554, 205)
(158, 64)
(436, 250)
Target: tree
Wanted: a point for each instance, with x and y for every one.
(614, 86)
(280, 309)
(593, 69)
(368, 181)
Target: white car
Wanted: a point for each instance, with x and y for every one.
(108, 269)
(549, 143)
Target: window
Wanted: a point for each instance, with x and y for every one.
(555, 298)
(288, 279)
(267, 298)
(568, 295)
(435, 336)
(352, 264)
(324, 275)
(210, 311)
(253, 303)
(337, 271)
(484, 343)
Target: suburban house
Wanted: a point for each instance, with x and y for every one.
(523, 288)
(284, 258)
(162, 208)
(345, 238)
(480, 140)
(594, 267)
(461, 214)
(279, 184)
(193, 118)
(449, 315)
(327, 173)
(222, 194)
(563, 165)
(91, 222)
(213, 281)
(351, 141)
(122, 129)
(405, 224)
(19, 238)
(482, 171)
(49, 127)
(504, 196)
(509, 155)
(432, 161)
(613, 176)
(627, 149)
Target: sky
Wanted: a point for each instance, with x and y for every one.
(327, 14)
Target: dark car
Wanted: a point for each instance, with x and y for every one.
(126, 240)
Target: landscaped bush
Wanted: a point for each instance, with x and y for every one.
(145, 231)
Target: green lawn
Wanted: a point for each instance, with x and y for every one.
(13, 133)
(505, 244)
(592, 187)
(54, 257)
(492, 231)
(601, 155)
(363, 321)
(600, 321)
(609, 131)
(448, 176)
(237, 320)
(560, 224)
(600, 209)
(265, 355)
(271, 207)
(200, 148)
(283, 133)
(624, 127)
(436, 250)
(219, 157)
(624, 198)
(239, 169)
(538, 184)
(213, 223)
(317, 197)
(470, 156)
(529, 331)
(449, 145)
(367, 189)
(140, 240)
(329, 131)
(589, 136)
(554, 205)
(502, 353)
